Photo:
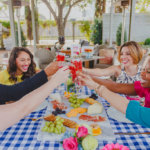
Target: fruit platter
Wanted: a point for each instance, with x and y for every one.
(67, 113)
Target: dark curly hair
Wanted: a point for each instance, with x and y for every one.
(12, 67)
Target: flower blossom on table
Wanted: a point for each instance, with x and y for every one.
(115, 147)
(82, 132)
(70, 143)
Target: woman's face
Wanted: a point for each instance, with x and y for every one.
(125, 57)
(145, 74)
(23, 62)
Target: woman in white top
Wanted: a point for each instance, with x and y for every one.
(129, 55)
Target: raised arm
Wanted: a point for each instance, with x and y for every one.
(12, 113)
(112, 70)
(16, 91)
(133, 110)
(127, 89)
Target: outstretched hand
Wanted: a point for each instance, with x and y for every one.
(61, 76)
(87, 80)
(52, 68)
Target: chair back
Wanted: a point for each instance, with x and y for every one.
(44, 57)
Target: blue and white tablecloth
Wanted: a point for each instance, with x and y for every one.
(23, 135)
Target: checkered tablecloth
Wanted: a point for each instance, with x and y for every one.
(23, 135)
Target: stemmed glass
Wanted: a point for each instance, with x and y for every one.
(60, 57)
(76, 66)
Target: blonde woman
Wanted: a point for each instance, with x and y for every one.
(129, 55)
(132, 109)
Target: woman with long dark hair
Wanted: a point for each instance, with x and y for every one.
(20, 66)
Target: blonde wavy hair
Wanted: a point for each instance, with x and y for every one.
(135, 50)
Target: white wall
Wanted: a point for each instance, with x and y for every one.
(141, 26)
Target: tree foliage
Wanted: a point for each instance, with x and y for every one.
(147, 41)
(143, 6)
(5, 24)
(47, 23)
(23, 38)
(100, 7)
(118, 35)
(64, 8)
(96, 35)
(85, 27)
(28, 22)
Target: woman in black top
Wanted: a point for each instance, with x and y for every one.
(16, 91)
(12, 113)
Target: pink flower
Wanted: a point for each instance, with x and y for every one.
(70, 144)
(82, 132)
(115, 147)
(77, 53)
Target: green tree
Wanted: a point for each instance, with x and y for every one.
(28, 23)
(96, 35)
(118, 35)
(47, 23)
(85, 27)
(100, 6)
(147, 41)
(23, 38)
(143, 6)
(64, 8)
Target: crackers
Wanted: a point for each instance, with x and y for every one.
(67, 122)
(91, 101)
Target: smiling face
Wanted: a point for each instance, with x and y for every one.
(23, 62)
(125, 57)
(145, 74)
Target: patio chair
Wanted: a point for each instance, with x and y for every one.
(44, 57)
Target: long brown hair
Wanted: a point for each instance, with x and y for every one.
(12, 67)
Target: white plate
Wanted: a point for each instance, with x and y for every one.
(107, 132)
(117, 115)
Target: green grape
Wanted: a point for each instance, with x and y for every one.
(45, 129)
(58, 118)
(56, 131)
(59, 131)
(58, 127)
(47, 123)
(59, 123)
(63, 129)
(52, 125)
(78, 105)
(62, 120)
(75, 106)
(72, 105)
(50, 130)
